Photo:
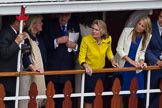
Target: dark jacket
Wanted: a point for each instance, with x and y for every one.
(8, 57)
(154, 49)
(153, 53)
(8, 50)
(59, 58)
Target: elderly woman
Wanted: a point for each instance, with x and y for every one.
(34, 59)
(93, 50)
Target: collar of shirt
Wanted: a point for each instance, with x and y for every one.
(94, 41)
(14, 30)
(64, 25)
(160, 28)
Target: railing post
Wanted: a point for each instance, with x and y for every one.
(2, 95)
(82, 91)
(33, 94)
(50, 92)
(160, 98)
(116, 100)
(148, 89)
(133, 100)
(98, 101)
(67, 103)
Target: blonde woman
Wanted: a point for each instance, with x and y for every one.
(34, 58)
(93, 50)
(131, 49)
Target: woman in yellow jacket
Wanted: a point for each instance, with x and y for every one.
(93, 50)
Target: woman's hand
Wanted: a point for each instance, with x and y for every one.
(142, 64)
(113, 63)
(33, 68)
(40, 70)
(135, 63)
(132, 62)
(88, 69)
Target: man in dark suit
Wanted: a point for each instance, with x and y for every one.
(154, 57)
(57, 42)
(9, 47)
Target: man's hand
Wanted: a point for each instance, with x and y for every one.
(19, 38)
(159, 63)
(63, 39)
(70, 44)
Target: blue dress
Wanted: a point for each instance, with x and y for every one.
(127, 76)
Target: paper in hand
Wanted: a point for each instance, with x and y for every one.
(73, 37)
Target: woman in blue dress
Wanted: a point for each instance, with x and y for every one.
(131, 52)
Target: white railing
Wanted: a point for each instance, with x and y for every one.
(82, 94)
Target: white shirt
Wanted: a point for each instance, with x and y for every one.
(14, 30)
(56, 44)
(160, 28)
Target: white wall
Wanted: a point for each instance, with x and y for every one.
(47, 6)
(9, 1)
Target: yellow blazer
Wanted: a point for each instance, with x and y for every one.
(94, 54)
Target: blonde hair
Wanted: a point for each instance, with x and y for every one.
(146, 33)
(102, 27)
(31, 21)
